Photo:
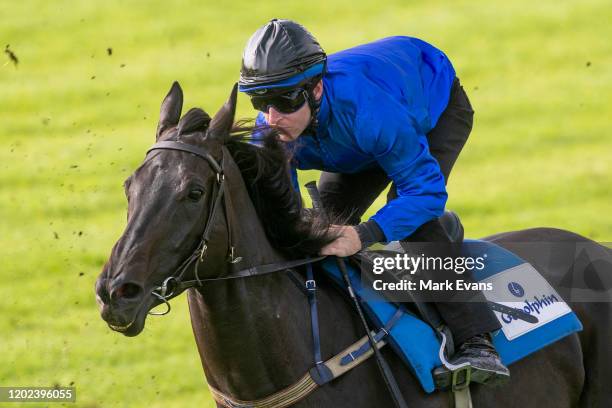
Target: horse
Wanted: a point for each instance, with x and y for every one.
(253, 333)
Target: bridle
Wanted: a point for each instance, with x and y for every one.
(174, 284)
(168, 288)
(323, 371)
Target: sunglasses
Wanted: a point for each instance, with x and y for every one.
(287, 102)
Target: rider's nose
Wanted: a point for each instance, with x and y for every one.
(126, 291)
(273, 115)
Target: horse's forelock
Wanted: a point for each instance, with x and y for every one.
(196, 120)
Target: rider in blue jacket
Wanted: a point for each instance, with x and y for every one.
(391, 111)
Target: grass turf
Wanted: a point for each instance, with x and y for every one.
(78, 117)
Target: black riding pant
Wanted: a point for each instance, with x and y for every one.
(350, 195)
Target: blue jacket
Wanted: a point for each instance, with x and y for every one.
(379, 102)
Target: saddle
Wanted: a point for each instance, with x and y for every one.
(416, 333)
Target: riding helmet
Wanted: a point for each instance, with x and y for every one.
(281, 54)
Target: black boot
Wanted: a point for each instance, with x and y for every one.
(485, 366)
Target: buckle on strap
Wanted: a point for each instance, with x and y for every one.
(461, 378)
(311, 284)
(168, 287)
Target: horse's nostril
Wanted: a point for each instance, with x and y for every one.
(127, 291)
(101, 291)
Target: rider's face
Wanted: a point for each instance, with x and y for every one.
(291, 125)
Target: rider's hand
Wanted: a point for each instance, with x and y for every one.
(347, 243)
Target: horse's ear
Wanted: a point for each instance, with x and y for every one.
(221, 124)
(171, 107)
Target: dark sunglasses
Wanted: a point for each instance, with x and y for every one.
(287, 102)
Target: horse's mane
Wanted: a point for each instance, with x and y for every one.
(290, 227)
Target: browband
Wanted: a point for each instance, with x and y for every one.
(187, 148)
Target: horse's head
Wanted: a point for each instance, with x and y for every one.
(170, 197)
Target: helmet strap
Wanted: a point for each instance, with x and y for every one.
(313, 103)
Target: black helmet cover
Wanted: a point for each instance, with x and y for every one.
(281, 54)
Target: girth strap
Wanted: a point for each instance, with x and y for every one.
(283, 398)
(381, 333)
(303, 387)
(318, 375)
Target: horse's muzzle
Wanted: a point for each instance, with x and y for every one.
(121, 305)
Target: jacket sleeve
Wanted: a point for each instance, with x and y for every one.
(388, 132)
(257, 134)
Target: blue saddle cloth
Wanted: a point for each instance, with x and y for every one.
(416, 342)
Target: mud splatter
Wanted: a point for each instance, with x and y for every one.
(12, 57)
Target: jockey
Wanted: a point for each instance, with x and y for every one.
(391, 111)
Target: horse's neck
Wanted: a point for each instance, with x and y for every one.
(251, 348)
(246, 329)
(247, 232)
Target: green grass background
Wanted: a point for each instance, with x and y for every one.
(74, 122)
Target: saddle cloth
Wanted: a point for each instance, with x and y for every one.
(417, 343)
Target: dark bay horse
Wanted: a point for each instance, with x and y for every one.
(253, 334)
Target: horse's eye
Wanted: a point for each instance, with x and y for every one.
(195, 194)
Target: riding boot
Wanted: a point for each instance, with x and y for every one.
(479, 357)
